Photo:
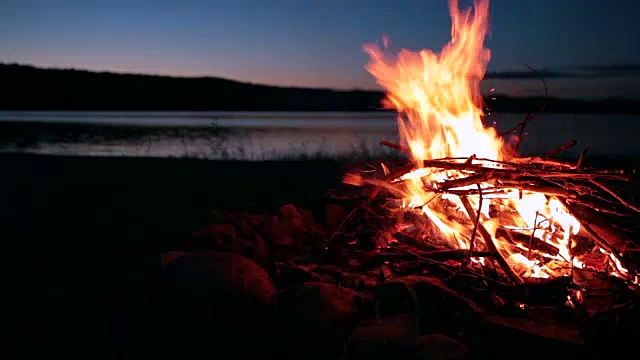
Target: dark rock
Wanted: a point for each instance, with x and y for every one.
(209, 272)
(300, 218)
(399, 335)
(334, 215)
(259, 246)
(170, 256)
(315, 301)
(221, 232)
(440, 347)
(613, 332)
(283, 233)
(248, 225)
(494, 331)
(319, 316)
(287, 276)
(437, 306)
(388, 336)
(223, 237)
(215, 297)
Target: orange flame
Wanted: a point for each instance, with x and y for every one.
(439, 99)
(439, 94)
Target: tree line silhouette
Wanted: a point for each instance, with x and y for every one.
(26, 87)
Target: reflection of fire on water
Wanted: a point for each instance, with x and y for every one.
(462, 169)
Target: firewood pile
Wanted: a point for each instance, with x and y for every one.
(575, 187)
(590, 197)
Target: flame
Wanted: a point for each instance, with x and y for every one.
(438, 98)
(439, 94)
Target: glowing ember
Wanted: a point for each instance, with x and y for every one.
(440, 105)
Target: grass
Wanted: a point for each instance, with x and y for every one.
(213, 142)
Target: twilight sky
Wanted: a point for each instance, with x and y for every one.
(583, 47)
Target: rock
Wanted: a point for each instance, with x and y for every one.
(170, 256)
(315, 301)
(615, 331)
(221, 232)
(300, 217)
(209, 272)
(290, 276)
(398, 335)
(494, 331)
(436, 305)
(282, 233)
(389, 336)
(319, 316)
(248, 225)
(255, 236)
(213, 237)
(205, 293)
(440, 347)
(334, 215)
(261, 251)
(223, 237)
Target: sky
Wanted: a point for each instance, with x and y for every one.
(583, 48)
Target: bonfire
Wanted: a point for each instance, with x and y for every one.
(465, 189)
(463, 238)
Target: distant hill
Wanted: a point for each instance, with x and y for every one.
(25, 87)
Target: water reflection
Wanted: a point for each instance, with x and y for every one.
(247, 136)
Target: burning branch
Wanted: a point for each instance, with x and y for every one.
(488, 239)
(560, 148)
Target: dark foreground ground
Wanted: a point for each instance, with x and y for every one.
(82, 239)
(81, 235)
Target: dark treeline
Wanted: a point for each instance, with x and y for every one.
(29, 88)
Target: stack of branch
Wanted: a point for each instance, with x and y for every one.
(574, 184)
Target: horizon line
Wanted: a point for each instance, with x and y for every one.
(174, 76)
(211, 77)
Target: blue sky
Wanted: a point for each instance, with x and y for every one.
(588, 47)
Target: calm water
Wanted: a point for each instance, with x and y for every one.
(261, 136)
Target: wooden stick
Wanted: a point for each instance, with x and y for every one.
(470, 159)
(394, 146)
(400, 172)
(466, 181)
(596, 207)
(533, 233)
(531, 242)
(547, 190)
(490, 244)
(472, 241)
(580, 164)
(448, 165)
(526, 166)
(592, 234)
(613, 193)
(559, 149)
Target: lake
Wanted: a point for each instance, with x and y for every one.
(280, 135)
